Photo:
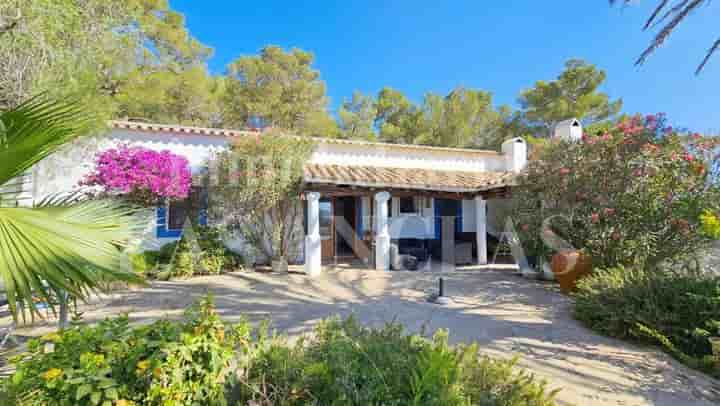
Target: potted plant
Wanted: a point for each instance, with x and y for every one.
(257, 193)
(279, 264)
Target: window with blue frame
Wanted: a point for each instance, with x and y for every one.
(171, 217)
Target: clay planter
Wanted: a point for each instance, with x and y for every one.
(568, 267)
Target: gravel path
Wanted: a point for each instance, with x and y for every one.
(507, 314)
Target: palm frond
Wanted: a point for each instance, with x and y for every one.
(73, 248)
(710, 53)
(36, 129)
(64, 244)
(671, 18)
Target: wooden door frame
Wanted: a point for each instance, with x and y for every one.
(325, 256)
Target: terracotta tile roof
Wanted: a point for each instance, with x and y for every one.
(179, 129)
(407, 178)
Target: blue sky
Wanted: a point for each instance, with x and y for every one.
(499, 46)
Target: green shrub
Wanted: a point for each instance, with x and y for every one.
(344, 363)
(203, 361)
(177, 259)
(162, 363)
(679, 312)
(183, 264)
(145, 263)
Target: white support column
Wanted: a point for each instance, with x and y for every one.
(382, 235)
(313, 256)
(481, 229)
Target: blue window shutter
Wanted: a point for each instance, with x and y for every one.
(202, 215)
(438, 225)
(161, 230)
(458, 217)
(359, 217)
(161, 221)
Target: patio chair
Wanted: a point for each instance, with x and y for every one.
(401, 262)
(463, 253)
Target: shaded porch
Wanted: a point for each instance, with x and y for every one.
(372, 219)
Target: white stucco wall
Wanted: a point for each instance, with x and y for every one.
(389, 156)
(64, 170)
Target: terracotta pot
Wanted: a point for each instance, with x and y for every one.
(568, 267)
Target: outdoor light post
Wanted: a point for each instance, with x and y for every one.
(441, 299)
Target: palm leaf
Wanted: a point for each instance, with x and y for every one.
(670, 19)
(63, 244)
(72, 248)
(36, 129)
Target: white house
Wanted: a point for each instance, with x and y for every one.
(386, 194)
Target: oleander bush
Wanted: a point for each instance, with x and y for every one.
(638, 194)
(204, 361)
(678, 311)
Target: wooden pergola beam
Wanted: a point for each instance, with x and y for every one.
(333, 190)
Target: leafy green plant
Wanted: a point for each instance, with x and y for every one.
(184, 263)
(258, 188)
(345, 363)
(677, 311)
(162, 363)
(176, 259)
(710, 224)
(144, 263)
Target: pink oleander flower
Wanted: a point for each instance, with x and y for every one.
(564, 171)
(595, 218)
(141, 172)
(609, 211)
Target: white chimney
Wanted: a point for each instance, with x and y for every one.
(569, 130)
(515, 151)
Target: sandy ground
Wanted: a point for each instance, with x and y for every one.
(507, 314)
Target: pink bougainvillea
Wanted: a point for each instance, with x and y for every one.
(142, 175)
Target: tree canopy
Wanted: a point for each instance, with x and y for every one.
(137, 60)
(574, 94)
(95, 50)
(280, 89)
(356, 117)
(462, 118)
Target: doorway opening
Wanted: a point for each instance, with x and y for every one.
(345, 230)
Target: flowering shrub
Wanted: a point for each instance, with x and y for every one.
(142, 175)
(203, 361)
(632, 194)
(164, 363)
(710, 224)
